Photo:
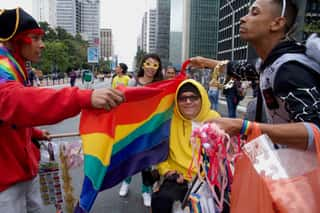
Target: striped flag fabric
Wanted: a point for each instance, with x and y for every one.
(10, 70)
(127, 139)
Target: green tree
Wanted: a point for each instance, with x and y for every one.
(313, 27)
(63, 51)
(55, 56)
(50, 34)
(62, 34)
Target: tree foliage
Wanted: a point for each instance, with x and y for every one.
(63, 51)
(313, 27)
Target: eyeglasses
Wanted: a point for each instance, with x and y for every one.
(284, 5)
(192, 98)
(150, 65)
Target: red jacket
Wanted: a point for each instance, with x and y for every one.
(21, 109)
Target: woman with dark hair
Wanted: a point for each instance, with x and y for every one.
(150, 70)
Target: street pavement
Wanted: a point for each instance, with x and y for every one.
(109, 201)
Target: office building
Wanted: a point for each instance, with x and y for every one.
(175, 43)
(163, 30)
(144, 33)
(80, 16)
(90, 20)
(106, 44)
(230, 46)
(203, 28)
(66, 15)
(151, 31)
(45, 11)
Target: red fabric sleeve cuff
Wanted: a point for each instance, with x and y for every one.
(37, 133)
(84, 97)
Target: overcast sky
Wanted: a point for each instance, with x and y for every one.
(122, 16)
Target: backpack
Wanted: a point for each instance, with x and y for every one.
(275, 109)
(310, 59)
(87, 76)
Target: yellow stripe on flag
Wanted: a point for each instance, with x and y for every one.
(98, 145)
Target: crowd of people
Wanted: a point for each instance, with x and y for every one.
(287, 102)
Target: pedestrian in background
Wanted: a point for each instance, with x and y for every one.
(233, 92)
(214, 89)
(23, 108)
(31, 76)
(121, 77)
(170, 72)
(73, 77)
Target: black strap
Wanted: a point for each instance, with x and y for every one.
(258, 117)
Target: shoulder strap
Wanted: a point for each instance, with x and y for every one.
(301, 58)
(313, 47)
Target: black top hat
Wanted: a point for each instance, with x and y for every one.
(14, 21)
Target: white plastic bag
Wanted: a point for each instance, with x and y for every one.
(279, 163)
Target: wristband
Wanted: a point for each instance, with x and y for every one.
(245, 127)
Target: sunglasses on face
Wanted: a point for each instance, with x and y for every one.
(191, 98)
(150, 65)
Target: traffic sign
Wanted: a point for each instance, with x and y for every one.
(93, 55)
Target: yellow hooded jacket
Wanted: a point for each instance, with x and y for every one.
(180, 153)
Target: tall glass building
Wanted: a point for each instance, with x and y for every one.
(80, 16)
(45, 11)
(309, 12)
(230, 46)
(106, 43)
(152, 26)
(90, 21)
(66, 15)
(176, 20)
(203, 28)
(163, 30)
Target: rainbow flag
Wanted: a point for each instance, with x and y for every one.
(129, 138)
(10, 70)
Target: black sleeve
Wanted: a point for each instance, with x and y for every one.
(299, 87)
(242, 70)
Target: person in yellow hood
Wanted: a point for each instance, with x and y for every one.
(192, 108)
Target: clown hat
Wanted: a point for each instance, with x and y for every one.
(15, 21)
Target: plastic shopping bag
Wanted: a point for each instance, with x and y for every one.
(249, 193)
(270, 180)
